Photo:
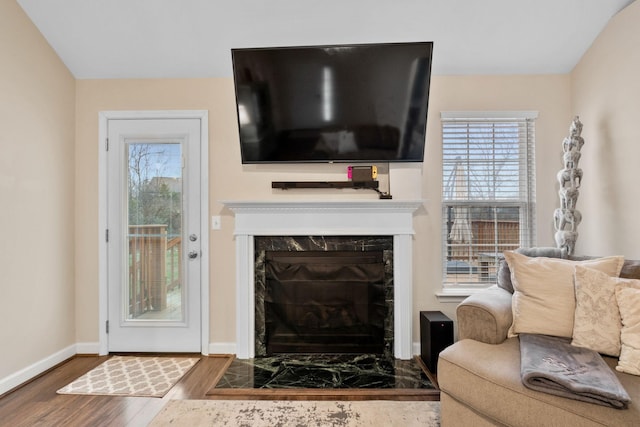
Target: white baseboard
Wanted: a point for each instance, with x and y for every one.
(14, 380)
(88, 348)
(222, 348)
(416, 348)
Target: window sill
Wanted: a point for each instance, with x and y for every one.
(457, 295)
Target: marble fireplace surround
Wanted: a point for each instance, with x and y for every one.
(324, 218)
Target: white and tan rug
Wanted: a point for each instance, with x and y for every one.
(132, 376)
(268, 413)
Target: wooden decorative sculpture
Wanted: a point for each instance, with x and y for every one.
(566, 218)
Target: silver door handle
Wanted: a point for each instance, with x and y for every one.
(193, 254)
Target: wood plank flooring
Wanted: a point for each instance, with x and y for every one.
(37, 404)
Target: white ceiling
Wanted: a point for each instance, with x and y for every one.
(193, 38)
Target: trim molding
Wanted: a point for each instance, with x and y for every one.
(222, 348)
(450, 295)
(20, 377)
(103, 118)
(88, 348)
(331, 218)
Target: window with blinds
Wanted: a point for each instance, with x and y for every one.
(488, 197)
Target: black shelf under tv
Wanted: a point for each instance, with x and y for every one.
(285, 185)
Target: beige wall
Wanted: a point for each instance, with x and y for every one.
(605, 92)
(214, 95)
(549, 95)
(230, 180)
(36, 189)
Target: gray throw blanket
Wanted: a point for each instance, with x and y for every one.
(552, 365)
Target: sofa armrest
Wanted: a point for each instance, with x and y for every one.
(485, 316)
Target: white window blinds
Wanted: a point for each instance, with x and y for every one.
(488, 197)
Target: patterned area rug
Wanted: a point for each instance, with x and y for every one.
(132, 376)
(268, 413)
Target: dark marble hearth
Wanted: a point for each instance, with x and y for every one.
(324, 372)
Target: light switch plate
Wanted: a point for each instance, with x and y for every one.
(216, 222)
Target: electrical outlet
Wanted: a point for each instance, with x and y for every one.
(216, 222)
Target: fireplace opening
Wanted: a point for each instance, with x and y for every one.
(325, 302)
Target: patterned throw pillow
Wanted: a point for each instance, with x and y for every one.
(628, 297)
(597, 323)
(544, 298)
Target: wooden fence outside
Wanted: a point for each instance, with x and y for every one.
(154, 267)
(485, 234)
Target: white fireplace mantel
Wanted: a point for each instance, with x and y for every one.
(324, 218)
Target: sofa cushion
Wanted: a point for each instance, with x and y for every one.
(630, 268)
(596, 324)
(544, 296)
(628, 297)
(486, 378)
(504, 273)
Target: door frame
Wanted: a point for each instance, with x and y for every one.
(103, 288)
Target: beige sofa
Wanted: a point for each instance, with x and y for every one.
(479, 375)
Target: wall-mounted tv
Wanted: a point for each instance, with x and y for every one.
(341, 103)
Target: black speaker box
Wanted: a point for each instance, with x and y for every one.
(436, 334)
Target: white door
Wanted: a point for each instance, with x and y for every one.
(153, 221)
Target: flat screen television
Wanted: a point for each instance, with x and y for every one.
(341, 103)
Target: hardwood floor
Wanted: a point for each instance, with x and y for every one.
(37, 404)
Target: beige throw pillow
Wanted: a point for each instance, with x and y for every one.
(544, 299)
(628, 297)
(596, 324)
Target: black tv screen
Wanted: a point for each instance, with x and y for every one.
(341, 103)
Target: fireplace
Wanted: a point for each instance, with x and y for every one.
(389, 218)
(323, 294)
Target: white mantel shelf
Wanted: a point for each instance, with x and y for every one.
(324, 218)
(385, 205)
(361, 217)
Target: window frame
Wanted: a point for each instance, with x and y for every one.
(525, 201)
